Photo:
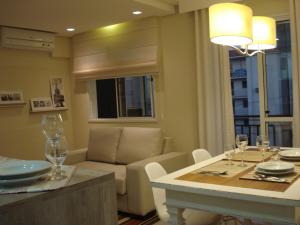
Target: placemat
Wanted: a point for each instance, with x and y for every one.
(290, 178)
(235, 181)
(251, 156)
(42, 184)
(222, 166)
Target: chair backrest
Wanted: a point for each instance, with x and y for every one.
(154, 170)
(200, 155)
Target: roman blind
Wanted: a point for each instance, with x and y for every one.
(119, 50)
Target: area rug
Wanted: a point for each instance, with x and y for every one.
(128, 219)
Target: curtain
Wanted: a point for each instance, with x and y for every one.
(215, 111)
(295, 42)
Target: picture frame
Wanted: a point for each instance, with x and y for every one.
(11, 97)
(57, 92)
(41, 104)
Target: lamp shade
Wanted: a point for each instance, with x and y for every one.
(264, 33)
(230, 24)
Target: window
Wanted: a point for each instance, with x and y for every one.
(244, 84)
(265, 83)
(125, 97)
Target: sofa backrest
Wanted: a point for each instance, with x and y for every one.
(124, 145)
(103, 144)
(138, 143)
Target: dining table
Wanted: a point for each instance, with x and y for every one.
(230, 192)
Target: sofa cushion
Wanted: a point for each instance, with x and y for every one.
(119, 170)
(103, 143)
(139, 143)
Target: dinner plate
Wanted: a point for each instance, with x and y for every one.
(22, 169)
(293, 153)
(276, 166)
(273, 172)
(22, 181)
(290, 158)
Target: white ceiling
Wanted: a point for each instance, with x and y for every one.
(57, 15)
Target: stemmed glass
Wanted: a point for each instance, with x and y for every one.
(56, 152)
(52, 126)
(262, 143)
(242, 142)
(56, 146)
(229, 152)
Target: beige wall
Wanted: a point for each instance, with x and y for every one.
(176, 95)
(30, 71)
(175, 88)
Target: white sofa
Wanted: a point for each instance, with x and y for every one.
(126, 151)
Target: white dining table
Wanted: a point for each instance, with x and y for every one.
(271, 207)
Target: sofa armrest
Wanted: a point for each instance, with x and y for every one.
(167, 145)
(138, 185)
(76, 156)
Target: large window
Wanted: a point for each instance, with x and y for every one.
(262, 91)
(125, 97)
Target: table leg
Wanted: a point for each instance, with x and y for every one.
(176, 217)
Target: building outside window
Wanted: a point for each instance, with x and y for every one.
(124, 97)
(262, 87)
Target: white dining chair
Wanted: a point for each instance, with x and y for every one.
(200, 155)
(192, 217)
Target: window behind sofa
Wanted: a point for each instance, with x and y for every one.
(123, 97)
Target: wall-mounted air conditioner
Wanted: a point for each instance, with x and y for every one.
(26, 39)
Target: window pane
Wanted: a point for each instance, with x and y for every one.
(245, 96)
(280, 134)
(279, 74)
(106, 98)
(135, 96)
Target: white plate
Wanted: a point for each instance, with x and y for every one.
(290, 158)
(18, 168)
(16, 182)
(293, 153)
(272, 166)
(274, 172)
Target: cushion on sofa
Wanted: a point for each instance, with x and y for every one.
(139, 143)
(103, 143)
(119, 170)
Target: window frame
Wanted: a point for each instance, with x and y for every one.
(93, 106)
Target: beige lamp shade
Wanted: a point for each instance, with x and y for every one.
(264, 33)
(230, 24)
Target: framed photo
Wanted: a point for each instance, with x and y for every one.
(41, 104)
(57, 92)
(11, 97)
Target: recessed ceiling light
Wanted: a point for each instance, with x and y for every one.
(137, 12)
(70, 29)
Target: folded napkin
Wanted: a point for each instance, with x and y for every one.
(42, 184)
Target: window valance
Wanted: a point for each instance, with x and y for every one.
(124, 49)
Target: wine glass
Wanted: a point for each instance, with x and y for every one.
(242, 142)
(52, 126)
(56, 153)
(262, 143)
(229, 152)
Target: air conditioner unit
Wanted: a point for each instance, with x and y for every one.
(27, 39)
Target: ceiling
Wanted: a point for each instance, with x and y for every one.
(83, 15)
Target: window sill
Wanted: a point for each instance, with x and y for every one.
(124, 120)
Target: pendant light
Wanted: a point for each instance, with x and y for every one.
(234, 25)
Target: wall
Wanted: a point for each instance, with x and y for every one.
(176, 95)
(175, 88)
(30, 71)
